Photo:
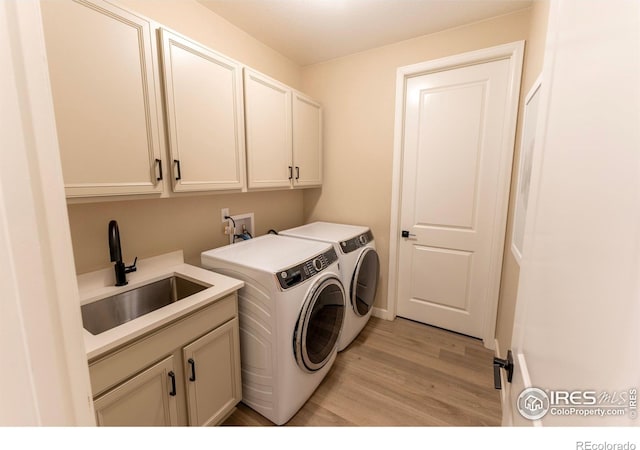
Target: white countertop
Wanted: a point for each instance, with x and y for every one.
(97, 285)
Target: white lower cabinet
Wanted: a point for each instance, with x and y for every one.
(211, 374)
(186, 373)
(148, 399)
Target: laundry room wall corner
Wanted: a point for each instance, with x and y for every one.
(358, 97)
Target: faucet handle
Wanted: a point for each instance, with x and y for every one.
(132, 267)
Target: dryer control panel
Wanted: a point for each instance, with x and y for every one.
(356, 242)
(297, 274)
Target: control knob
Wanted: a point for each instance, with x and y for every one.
(317, 264)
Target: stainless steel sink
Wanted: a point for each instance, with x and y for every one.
(110, 312)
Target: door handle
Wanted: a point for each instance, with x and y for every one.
(290, 172)
(297, 173)
(406, 234)
(506, 364)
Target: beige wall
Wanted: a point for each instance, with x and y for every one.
(358, 96)
(534, 57)
(204, 26)
(155, 226)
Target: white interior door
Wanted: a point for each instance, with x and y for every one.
(576, 329)
(45, 375)
(452, 199)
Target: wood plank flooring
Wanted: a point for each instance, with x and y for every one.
(400, 373)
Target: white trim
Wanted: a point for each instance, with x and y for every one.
(36, 234)
(520, 372)
(535, 88)
(514, 53)
(382, 313)
(505, 393)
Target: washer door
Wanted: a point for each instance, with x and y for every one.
(365, 282)
(316, 334)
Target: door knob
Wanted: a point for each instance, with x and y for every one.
(406, 234)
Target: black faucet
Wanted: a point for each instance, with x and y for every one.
(116, 255)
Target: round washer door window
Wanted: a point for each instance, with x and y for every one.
(365, 282)
(318, 328)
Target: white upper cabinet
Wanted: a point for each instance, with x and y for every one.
(104, 84)
(307, 141)
(283, 129)
(205, 120)
(268, 129)
(108, 66)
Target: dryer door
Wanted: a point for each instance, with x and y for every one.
(316, 335)
(365, 282)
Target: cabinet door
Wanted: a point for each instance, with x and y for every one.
(212, 374)
(144, 400)
(204, 116)
(307, 141)
(268, 129)
(104, 89)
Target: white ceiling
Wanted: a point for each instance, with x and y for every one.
(311, 31)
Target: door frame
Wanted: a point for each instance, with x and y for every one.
(42, 332)
(513, 52)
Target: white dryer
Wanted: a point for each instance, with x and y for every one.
(291, 311)
(359, 268)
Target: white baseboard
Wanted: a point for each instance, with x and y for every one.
(507, 418)
(382, 313)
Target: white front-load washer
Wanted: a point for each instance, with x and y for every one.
(359, 268)
(291, 311)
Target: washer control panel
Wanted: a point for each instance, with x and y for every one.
(356, 242)
(297, 274)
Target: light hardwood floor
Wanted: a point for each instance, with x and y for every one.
(400, 373)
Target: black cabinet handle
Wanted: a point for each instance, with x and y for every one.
(290, 172)
(159, 164)
(192, 363)
(173, 383)
(297, 173)
(177, 162)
